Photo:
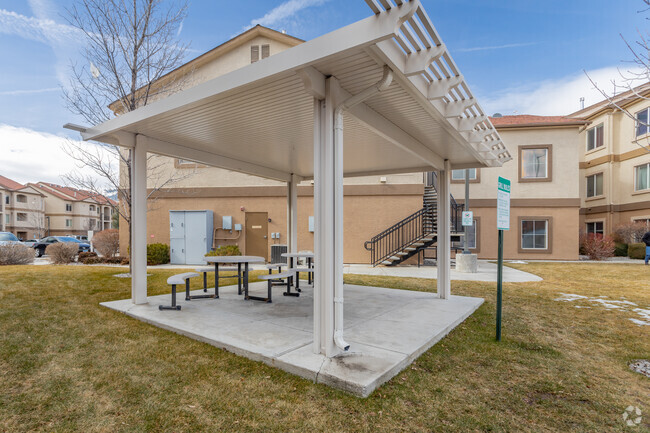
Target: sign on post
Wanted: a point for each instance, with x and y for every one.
(503, 204)
(468, 218)
(503, 223)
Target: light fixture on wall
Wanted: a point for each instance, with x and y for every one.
(382, 179)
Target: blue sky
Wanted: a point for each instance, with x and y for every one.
(519, 56)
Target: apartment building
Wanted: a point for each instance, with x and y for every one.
(70, 211)
(615, 162)
(545, 196)
(22, 210)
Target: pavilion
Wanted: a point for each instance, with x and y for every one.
(379, 96)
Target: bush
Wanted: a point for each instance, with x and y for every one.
(636, 251)
(620, 249)
(107, 242)
(226, 250)
(62, 252)
(16, 254)
(598, 247)
(630, 233)
(157, 254)
(90, 260)
(86, 254)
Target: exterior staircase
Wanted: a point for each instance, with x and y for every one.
(414, 233)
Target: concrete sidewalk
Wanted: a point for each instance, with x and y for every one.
(486, 272)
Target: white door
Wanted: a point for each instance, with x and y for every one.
(195, 238)
(177, 237)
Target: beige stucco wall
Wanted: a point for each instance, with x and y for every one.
(364, 216)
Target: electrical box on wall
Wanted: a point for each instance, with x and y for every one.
(311, 224)
(272, 235)
(238, 227)
(226, 223)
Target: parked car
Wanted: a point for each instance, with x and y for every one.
(41, 245)
(82, 238)
(8, 238)
(30, 242)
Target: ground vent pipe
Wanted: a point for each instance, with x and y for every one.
(379, 86)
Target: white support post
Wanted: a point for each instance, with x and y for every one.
(292, 215)
(139, 221)
(328, 240)
(444, 232)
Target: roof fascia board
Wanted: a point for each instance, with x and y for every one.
(354, 36)
(178, 151)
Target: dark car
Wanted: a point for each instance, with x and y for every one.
(43, 243)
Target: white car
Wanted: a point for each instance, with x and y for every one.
(8, 238)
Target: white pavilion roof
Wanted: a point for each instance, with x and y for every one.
(259, 119)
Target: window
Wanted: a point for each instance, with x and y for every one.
(6, 199)
(642, 122)
(594, 137)
(91, 208)
(68, 207)
(642, 177)
(21, 198)
(68, 223)
(255, 52)
(645, 221)
(534, 163)
(534, 234)
(597, 228)
(460, 174)
(20, 216)
(7, 218)
(471, 237)
(595, 185)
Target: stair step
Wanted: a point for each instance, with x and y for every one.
(394, 258)
(402, 253)
(417, 244)
(386, 262)
(410, 249)
(426, 239)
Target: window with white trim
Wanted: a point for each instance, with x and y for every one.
(645, 221)
(642, 177)
(534, 234)
(460, 174)
(20, 216)
(68, 207)
(595, 137)
(596, 228)
(595, 185)
(68, 223)
(642, 122)
(20, 198)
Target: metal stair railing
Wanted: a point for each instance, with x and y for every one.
(402, 234)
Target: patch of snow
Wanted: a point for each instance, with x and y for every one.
(518, 262)
(613, 304)
(569, 297)
(581, 306)
(610, 304)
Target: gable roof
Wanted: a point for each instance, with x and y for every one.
(220, 50)
(529, 120)
(73, 194)
(9, 184)
(622, 100)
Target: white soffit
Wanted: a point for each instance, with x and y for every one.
(259, 119)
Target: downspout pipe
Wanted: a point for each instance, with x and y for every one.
(379, 86)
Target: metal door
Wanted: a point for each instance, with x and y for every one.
(257, 229)
(195, 238)
(177, 251)
(177, 237)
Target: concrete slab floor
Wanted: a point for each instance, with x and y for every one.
(387, 329)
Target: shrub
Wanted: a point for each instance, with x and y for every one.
(16, 254)
(62, 252)
(630, 233)
(107, 242)
(226, 250)
(620, 249)
(636, 251)
(157, 254)
(90, 260)
(598, 247)
(86, 254)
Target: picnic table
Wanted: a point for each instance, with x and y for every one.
(294, 256)
(231, 260)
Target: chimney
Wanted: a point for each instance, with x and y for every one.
(582, 102)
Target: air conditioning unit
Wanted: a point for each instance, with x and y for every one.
(276, 253)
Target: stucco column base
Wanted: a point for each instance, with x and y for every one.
(467, 263)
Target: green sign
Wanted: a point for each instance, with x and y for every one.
(503, 204)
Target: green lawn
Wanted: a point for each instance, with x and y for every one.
(68, 364)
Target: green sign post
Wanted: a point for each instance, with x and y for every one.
(503, 223)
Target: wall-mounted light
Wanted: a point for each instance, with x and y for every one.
(242, 208)
(382, 179)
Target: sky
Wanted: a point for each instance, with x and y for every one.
(518, 56)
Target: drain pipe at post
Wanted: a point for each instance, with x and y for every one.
(380, 86)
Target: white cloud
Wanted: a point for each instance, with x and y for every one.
(28, 91)
(495, 47)
(42, 30)
(554, 97)
(283, 12)
(32, 156)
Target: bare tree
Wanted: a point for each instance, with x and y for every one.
(635, 79)
(131, 46)
(36, 217)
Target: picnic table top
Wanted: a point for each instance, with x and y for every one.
(235, 259)
(307, 254)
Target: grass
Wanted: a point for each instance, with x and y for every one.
(67, 364)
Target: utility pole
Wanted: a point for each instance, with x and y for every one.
(466, 228)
